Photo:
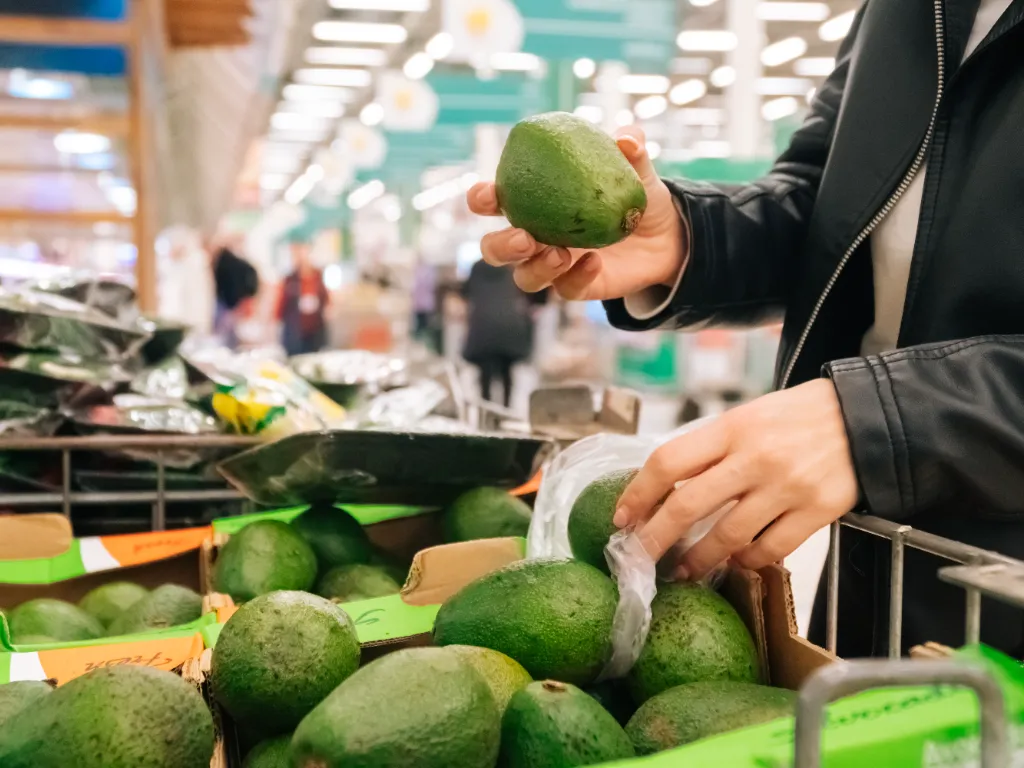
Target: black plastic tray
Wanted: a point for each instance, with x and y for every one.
(377, 467)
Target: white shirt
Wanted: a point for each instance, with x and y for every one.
(892, 243)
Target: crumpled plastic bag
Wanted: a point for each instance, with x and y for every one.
(565, 476)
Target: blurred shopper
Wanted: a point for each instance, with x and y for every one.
(500, 328)
(302, 304)
(426, 320)
(889, 236)
(235, 280)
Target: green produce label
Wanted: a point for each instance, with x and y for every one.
(365, 514)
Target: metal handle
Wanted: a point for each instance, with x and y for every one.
(843, 679)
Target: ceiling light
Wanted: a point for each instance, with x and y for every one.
(723, 77)
(77, 143)
(350, 57)
(688, 91)
(811, 94)
(643, 84)
(124, 199)
(292, 121)
(650, 107)
(584, 68)
(365, 194)
(105, 229)
(331, 109)
(449, 190)
(701, 116)
(653, 150)
(418, 66)
(359, 32)
(782, 86)
(837, 27)
(347, 78)
(814, 66)
(399, 6)
(440, 46)
(690, 65)
(515, 62)
(300, 136)
(303, 185)
(23, 85)
(274, 181)
(702, 3)
(372, 114)
(590, 113)
(776, 109)
(800, 11)
(706, 40)
(390, 207)
(293, 92)
(785, 50)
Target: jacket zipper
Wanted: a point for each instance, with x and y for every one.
(885, 210)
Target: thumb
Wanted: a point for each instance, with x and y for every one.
(633, 144)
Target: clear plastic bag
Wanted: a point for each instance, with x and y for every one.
(565, 476)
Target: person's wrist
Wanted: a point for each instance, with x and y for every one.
(677, 252)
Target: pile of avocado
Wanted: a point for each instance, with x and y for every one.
(110, 610)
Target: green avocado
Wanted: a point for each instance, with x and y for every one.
(414, 708)
(695, 636)
(336, 537)
(113, 717)
(566, 182)
(108, 601)
(264, 556)
(552, 616)
(47, 617)
(504, 675)
(690, 712)
(17, 695)
(349, 583)
(486, 513)
(278, 656)
(168, 606)
(272, 753)
(590, 520)
(556, 725)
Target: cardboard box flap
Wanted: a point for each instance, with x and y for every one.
(34, 537)
(439, 572)
(745, 591)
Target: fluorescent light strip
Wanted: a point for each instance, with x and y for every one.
(589, 112)
(396, 6)
(790, 11)
(584, 68)
(814, 66)
(723, 77)
(439, 46)
(650, 107)
(294, 92)
(418, 66)
(345, 78)
(274, 181)
(290, 121)
(782, 86)
(784, 50)
(443, 192)
(372, 114)
(837, 27)
(366, 194)
(688, 91)
(312, 108)
(330, 56)
(303, 185)
(359, 32)
(776, 109)
(706, 40)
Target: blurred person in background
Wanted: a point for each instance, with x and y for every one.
(235, 280)
(889, 237)
(425, 303)
(302, 302)
(499, 327)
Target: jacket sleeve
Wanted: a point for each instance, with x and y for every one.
(937, 423)
(742, 243)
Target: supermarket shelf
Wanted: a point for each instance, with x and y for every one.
(48, 30)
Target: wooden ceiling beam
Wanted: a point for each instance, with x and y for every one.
(44, 30)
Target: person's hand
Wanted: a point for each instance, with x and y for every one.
(653, 255)
(783, 458)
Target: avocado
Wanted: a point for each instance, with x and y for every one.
(45, 616)
(695, 636)
(556, 725)
(504, 675)
(272, 753)
(168, 606)
(349, 583)
(18, 695)
(566, 182)
(263, 557)
(278, 656)
(690, 712)
(614, 696)
(590, 520)
(552, 616)
(486, 513)
(108, 601)
(414, 708)
(336, 537)
(114, 717)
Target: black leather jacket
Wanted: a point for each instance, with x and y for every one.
(936, 427)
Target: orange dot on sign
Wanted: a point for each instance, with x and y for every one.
(478, 21)
(403, 99)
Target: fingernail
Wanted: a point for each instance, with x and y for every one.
(520, 242)
(621, 517)
(682, 573)
(634, 145)
(555, 259)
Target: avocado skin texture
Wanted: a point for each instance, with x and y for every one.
(414, 708)
(503, 674)
(349, 583)
(695, 636)
(17, 695)
(336, 537)
(168, 606)
(590, 520)
(47, 617)
(108, 601)
(566, 182)
(114, 717)
(265, 556)
(272, 753)
(486, 513)
(552, 616)
(687, 713)
(278, 656)
(556, 725)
